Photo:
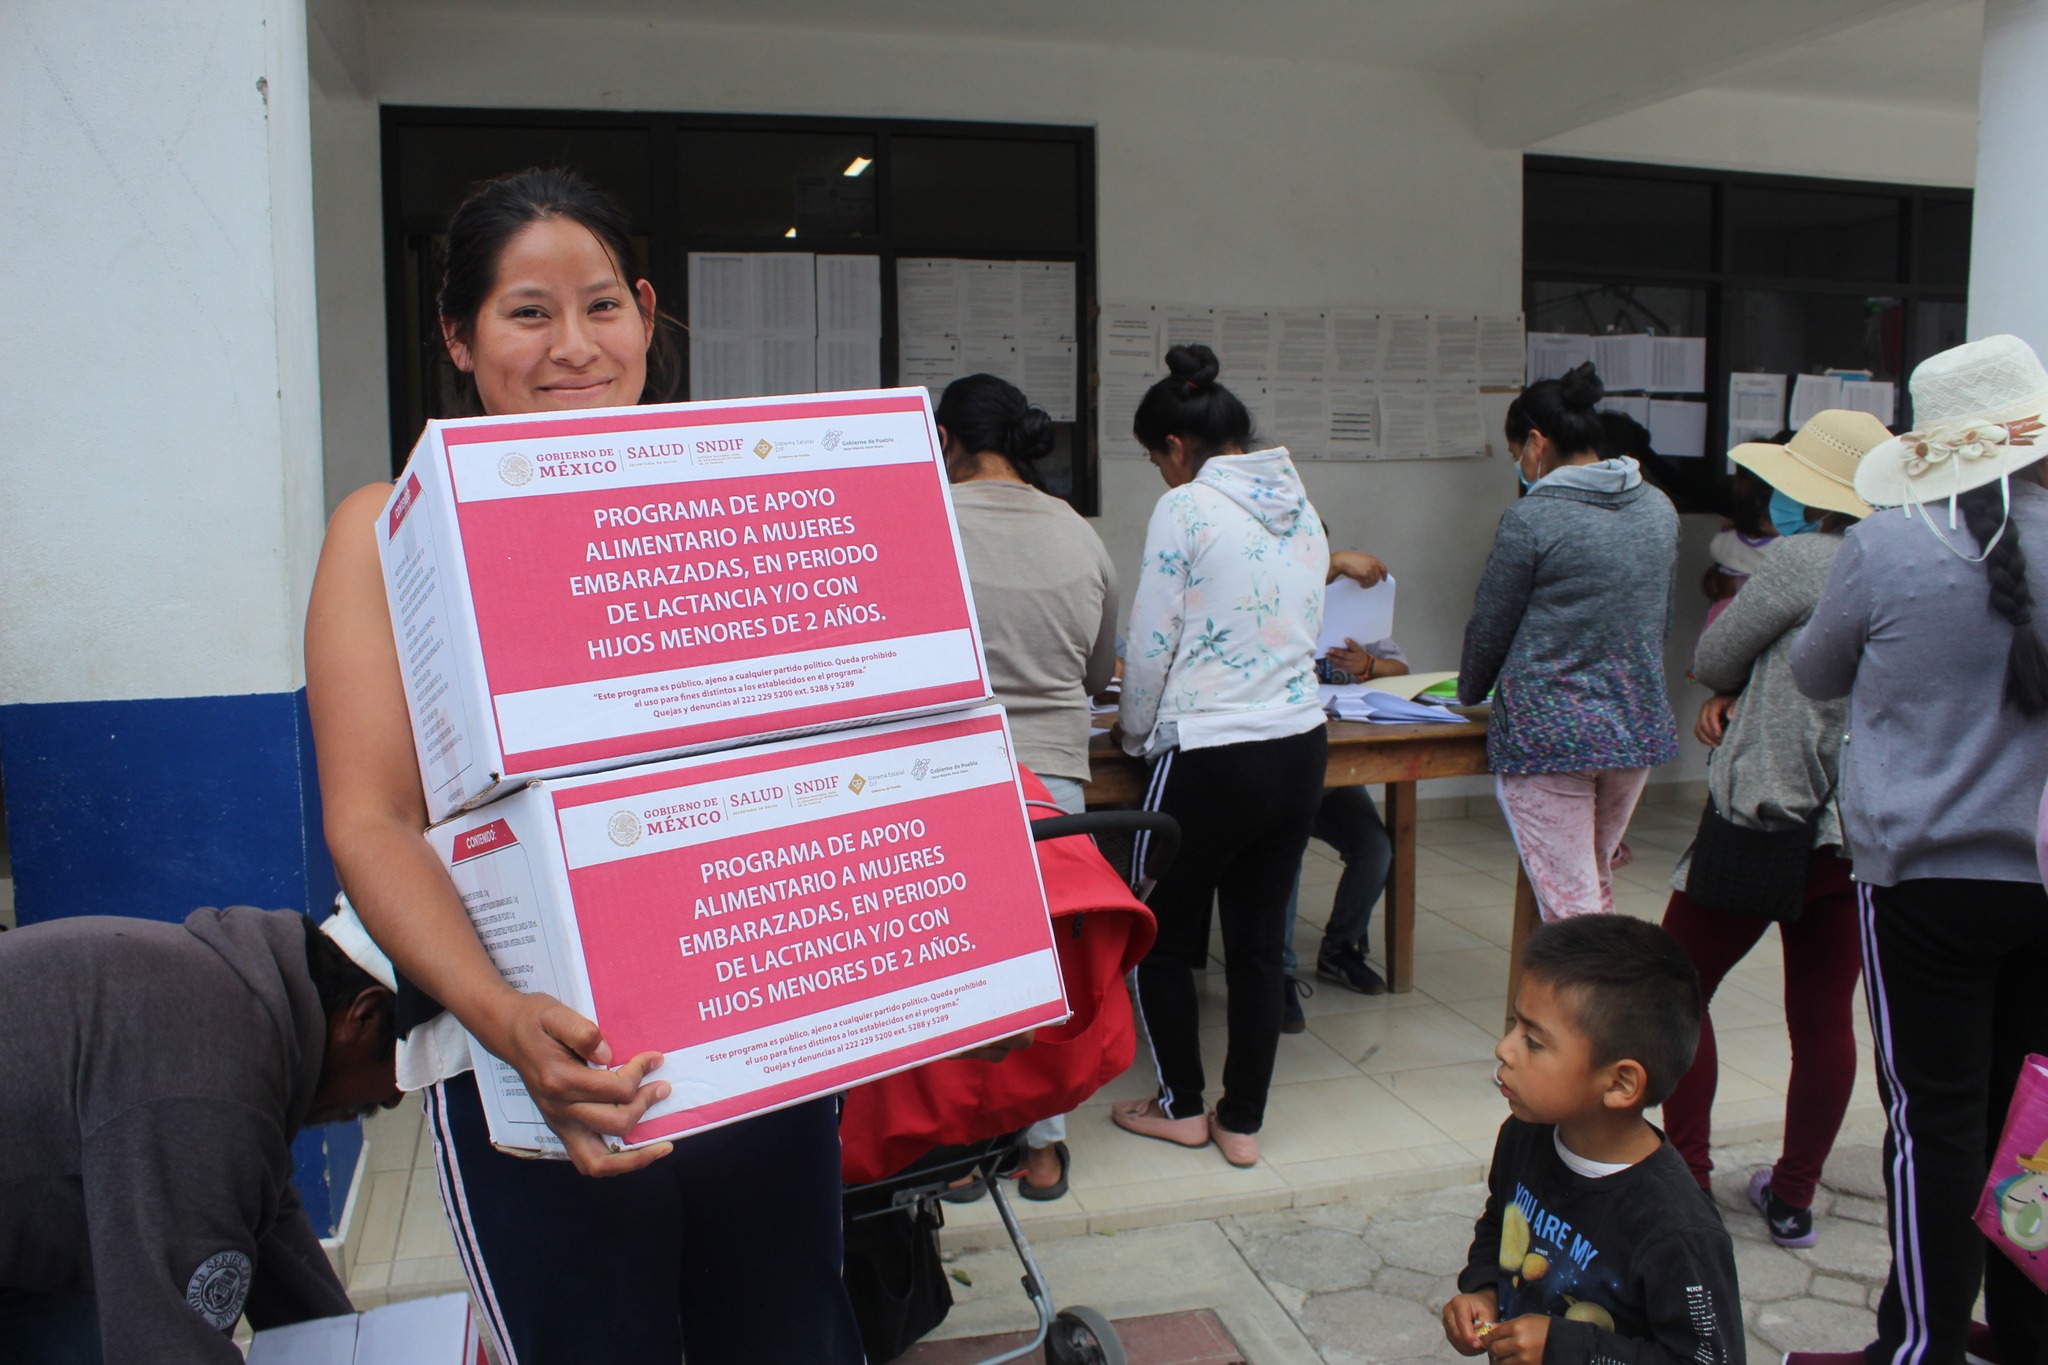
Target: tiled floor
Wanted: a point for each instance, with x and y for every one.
(1382, 1095)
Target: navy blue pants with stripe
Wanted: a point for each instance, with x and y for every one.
(727, 1252)
(1954, 972)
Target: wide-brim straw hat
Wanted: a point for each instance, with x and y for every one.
(1817, 467)
(1978, 414)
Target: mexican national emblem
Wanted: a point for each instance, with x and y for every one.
(623, 827)
(515, 469)
(218, 1287)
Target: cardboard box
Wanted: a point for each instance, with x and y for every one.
(580, 591)
(436, 1331)
(781, 921)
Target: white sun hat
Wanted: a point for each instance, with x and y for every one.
(1978, 413)
(346, 930)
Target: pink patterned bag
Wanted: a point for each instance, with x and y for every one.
(2014, 1210)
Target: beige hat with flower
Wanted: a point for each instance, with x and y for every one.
(1817, 467)
(1978, 415)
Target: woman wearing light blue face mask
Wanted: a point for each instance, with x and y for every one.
(1789, 515)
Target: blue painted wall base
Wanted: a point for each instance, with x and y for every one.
(153, 808)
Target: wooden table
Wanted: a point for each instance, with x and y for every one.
(1398, 755)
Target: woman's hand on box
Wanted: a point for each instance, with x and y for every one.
(549, 1045)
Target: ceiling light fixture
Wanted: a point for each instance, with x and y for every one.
(790, 233)
(859, 164)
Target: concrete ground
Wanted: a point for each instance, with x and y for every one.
(1382, 1119)
(1362, 1281)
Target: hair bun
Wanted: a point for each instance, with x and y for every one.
(1030, 435)
(1195, 366)
(1580, 387)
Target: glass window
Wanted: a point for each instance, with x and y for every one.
(972, 191)
(762, 184)
(1616, 222)
(1942, 251)
(437, 165)
(1600, 309)
(1817, 234)
(1781, 331)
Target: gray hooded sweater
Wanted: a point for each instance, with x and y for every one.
(1569, 623)
(154, 1076)
(1940, 778)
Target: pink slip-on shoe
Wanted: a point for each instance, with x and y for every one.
(1239, 1149)
(1143, 1118)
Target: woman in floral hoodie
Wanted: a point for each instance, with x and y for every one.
(1220, 693)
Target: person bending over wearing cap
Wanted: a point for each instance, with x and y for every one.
(154, 1077)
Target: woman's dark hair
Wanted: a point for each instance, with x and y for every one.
(1190, 404)
(985, 412)
(338, 980)
(2026, 661)
(496, 211)
(1563, 409)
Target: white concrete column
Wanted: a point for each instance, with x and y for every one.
(2009, 233)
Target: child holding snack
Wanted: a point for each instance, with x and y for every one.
(1596, 1244)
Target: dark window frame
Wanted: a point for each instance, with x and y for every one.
(668, 250)
(1722, 283)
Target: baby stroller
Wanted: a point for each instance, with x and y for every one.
(909, 1138)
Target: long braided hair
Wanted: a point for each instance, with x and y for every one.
(2026, 662)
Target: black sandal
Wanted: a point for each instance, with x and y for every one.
(1046, 1193)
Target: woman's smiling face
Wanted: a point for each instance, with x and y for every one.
(560, 328)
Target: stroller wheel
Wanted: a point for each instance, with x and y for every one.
(1082, 1336)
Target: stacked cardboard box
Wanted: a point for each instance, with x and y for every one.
(699, 701)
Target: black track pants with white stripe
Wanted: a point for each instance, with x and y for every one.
(1244, 812)
(1957, 977)
(727, 1251)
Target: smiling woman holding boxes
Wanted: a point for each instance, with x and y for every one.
(727, 1248)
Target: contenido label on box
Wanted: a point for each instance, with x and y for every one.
(773, 923)
(679, 574)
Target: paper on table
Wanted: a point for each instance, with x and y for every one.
(1406, 350)
(1361, 702)
(1409, 684)
(1128, 340)
(1756, 400)
(1355, 343)
(1459, 427)
(1456, 339)
(1635, 405)
(1405, 427)
(1812, 393)
(1552, 353)
(1623, 361)
(1678, 365)
(1354, 420)
(1501, 348)
(1301, 343)
(1354, 613)
(1874, 396)
(1298, 416)
(1678, 427)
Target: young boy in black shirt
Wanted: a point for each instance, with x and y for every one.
(1597, 1247)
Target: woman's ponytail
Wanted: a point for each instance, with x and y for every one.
(2005, 568)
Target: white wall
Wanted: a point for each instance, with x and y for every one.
(1235, 181)
(1788, 134)
(159, 491)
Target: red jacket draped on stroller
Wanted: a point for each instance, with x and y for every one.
(1101, 930)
